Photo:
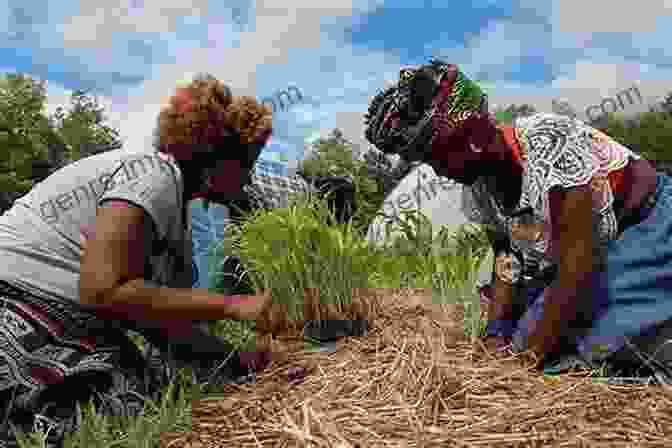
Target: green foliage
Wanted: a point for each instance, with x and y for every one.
(446, 262)
(303, 247)
(300, 247)
(650, 135)
(24, 131)
(513, 111)
(28, 135)
(425, 254)
(172, 412)
(373, 177)
(83, 127)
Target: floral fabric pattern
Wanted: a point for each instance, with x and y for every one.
(556, 152)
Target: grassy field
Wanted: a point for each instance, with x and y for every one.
(291, 250)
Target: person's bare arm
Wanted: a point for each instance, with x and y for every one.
(572, 215)
(112, 271)
(501, 306)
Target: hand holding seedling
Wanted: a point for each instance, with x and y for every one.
(275, 316)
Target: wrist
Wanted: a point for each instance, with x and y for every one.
(233, 307)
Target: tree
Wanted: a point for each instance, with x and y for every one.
(513, 111)
(334, 156)
(24, 133)
(33, 144)
(649, 135)
(83, 127)
(380, 165)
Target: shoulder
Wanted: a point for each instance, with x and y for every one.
(545, 138)
(153, 168)
(152, 181)
(549, 123)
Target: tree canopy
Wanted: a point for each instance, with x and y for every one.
(649, 134)
(34, 143)
(374, 175)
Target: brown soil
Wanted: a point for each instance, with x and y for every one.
(416, 381)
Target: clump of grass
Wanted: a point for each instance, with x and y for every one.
(446, 262)
(172, 412)
(299, 248)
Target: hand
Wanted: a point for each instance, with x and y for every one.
(538, 346)
(532, 359)
(252, 307)
(501, 345)
(275, 317)
(362, 307)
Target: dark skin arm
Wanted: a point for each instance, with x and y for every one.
(572, 216)
(112, 278)
(501, 307)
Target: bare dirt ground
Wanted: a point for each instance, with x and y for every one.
(416, 381)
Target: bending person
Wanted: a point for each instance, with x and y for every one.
(102, 246)
(580, 214)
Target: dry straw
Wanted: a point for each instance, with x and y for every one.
(417, 381)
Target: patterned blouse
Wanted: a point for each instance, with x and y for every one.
(555, 152)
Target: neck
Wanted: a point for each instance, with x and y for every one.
(505, 168)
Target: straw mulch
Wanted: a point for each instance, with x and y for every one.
(416, 381)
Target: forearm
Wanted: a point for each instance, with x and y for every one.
(561, 304)
(138, 299)
(501, 308)
(572, 287)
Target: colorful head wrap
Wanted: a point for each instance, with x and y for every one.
(428, 101)
(459, 99)
(504, 116)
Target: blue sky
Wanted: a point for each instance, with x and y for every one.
(337, 52)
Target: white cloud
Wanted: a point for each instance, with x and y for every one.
(100, 21)
(587, 83)
(282, 46)
(599, 78)
(597, 74)
(597, 16)
(284, 41)
(279, 36)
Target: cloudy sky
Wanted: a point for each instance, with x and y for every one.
(132, 53)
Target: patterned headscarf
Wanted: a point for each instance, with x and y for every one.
(426, 102)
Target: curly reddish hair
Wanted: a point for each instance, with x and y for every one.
(206, 113)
